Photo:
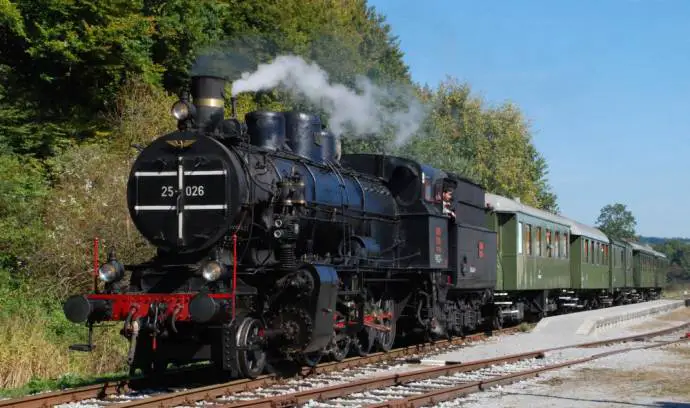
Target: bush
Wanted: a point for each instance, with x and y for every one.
(23, 190)
(46, 244)
(36, 337)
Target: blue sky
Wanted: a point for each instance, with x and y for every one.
(604, 83)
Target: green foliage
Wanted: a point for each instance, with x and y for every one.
(64, 62)
(678, 253)
(35, 350)
(77, 54)
(182, 29)
(616, 221)
(491, 145)
(23, 190)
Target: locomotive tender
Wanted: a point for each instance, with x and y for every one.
(270, 247)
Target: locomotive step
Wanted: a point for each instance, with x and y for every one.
(85, 348)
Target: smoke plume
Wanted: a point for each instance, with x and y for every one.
(366, 110)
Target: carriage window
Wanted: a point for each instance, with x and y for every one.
(549, 250)
(591, 251)
(539, 241)
(557, 245)
(586, 243)
(606, 254)
(527, 239)
(566, 245)
(597, 254)
(519, 238)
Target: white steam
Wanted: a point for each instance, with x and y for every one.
(361, 113)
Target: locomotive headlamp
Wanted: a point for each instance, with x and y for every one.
(182, 110)
(111, 271)
(212, 271)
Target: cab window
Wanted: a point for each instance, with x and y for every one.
(433, 191)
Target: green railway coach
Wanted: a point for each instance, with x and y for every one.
(589, 259)
(620, 264)
(532, 245)
(644, 274)
(548, 263)
(661, 269)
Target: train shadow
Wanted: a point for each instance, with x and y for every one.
(604, 402)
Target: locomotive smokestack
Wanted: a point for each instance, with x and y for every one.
(208, 95)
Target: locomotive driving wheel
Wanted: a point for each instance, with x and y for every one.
(386, 339)
(363, 342)
(340, 347)
(251, 356)
(311, 359)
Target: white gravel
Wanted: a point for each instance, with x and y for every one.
(591, 385)
(640, 378)
(419, 387)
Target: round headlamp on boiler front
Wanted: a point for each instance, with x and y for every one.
(182, 110)
(111, 271)
(212, 270)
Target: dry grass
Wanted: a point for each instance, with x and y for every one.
(644, 382)
(29, 353)
(660, 322)
(553, 381)
(525, 327)
(660, 380)
(36, 337)
(676, 291)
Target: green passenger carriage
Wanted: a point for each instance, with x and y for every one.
(547, 263)
(661, 269)
(589, 264)
(620, 265)
(644, 269)
(533, 250)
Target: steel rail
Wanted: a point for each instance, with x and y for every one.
(114, 386)
(215, 395)
(450, 393)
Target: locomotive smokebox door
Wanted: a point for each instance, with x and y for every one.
(183, 192)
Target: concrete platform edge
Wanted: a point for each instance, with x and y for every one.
(593, 324)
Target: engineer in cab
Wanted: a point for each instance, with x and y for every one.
(447, 200)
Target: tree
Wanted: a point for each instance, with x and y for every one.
(616, 221)
(489, 144)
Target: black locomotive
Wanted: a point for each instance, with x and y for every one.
(270, 246)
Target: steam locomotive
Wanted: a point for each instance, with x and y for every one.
(273, 246)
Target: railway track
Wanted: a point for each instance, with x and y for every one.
(428, 386)
(316, 387)
(106, 393)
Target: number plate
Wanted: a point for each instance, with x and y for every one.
(201, 189)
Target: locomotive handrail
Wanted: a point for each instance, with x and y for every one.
(313, 178)
(363, 200)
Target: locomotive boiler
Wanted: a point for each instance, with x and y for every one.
(271, 246)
